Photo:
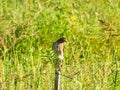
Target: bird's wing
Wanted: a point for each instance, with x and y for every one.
(55, 46)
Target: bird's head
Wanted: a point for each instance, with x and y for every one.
(61, 40)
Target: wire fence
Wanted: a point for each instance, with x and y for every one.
(95, 76)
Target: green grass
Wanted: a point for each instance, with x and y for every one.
(92, 52)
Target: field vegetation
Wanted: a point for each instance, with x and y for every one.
(92, 52)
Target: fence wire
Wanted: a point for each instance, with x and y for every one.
(95, 76)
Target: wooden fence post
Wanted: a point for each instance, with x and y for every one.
(57, 75)
(57, 80)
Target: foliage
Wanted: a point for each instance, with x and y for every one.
(29, 27)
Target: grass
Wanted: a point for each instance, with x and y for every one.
(92, 52)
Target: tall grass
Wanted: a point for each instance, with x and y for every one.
(92, 52)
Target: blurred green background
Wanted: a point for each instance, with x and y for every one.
(92, 52)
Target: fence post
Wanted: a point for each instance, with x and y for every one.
(57, 75)
(57, 80)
